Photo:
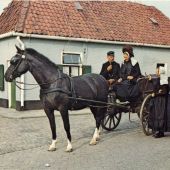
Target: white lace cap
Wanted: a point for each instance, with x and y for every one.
(163, 74)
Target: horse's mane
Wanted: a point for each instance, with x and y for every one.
(40, 57)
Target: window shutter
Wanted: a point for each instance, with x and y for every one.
(86, 69)
(1, 77)
(60, 66)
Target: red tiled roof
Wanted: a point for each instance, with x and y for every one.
(102, 20)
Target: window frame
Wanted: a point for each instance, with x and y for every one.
(70, 52)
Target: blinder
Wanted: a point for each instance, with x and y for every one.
(16, 61)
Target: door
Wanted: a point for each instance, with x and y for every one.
(13, 95)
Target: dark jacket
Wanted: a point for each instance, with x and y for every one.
(112, 74)
(127, 69)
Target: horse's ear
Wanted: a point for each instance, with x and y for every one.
(19, 50)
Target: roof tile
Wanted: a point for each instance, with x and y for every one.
(102, 20)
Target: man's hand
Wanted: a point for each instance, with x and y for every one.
(130, 77)
(111, 81)
(109, 67)
(149, 77)
(119, 80)
(160, 91)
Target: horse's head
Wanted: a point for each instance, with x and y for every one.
(18, 66)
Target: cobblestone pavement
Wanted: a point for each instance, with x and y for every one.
(24, 144)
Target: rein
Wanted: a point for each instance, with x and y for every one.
(36, 84)
(99, 102)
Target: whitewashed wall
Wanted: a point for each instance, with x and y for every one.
(7, 49)
(94, 55)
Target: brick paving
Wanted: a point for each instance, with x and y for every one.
(24, 144)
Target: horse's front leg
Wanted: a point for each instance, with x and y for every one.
(98, 115)
(65, 117)
(51, 117)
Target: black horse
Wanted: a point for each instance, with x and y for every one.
(59, 92)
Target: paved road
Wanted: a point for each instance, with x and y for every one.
(24, 144)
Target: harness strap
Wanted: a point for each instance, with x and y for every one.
(46, 91)
(70, 93)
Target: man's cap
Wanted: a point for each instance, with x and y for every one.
(111, 53)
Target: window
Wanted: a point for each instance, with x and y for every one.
(78, 6)
(71, 58)
(72, 63)
(1, 77)
(154, 21)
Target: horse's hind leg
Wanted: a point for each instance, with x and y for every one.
(98, 115)
(50, 115)
(65, 117)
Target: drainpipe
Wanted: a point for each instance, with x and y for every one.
(22, 92)
(9, 89)
(9, 95)
(22, 76)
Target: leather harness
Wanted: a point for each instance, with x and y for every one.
(69, 93)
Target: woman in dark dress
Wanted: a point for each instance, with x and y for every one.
(159, 118)
(127, 89)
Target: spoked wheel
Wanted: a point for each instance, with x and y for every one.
(144, 115)
(111, 119)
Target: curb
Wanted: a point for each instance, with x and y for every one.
(14, 114)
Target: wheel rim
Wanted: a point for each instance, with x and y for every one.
(146, 129)
(111, 121)
(144, 113)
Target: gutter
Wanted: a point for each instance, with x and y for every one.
(11, 34)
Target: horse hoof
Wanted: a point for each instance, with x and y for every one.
(69, 149)
(98, 138)
(93, 142)
(51, 148)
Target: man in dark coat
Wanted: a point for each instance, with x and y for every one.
(128, 90)
(110, 70)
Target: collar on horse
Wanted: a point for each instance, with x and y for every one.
(69, 93)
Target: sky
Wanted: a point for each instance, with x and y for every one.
(162, 5)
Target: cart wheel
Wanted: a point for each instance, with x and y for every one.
(144, 115)
(111, 120)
